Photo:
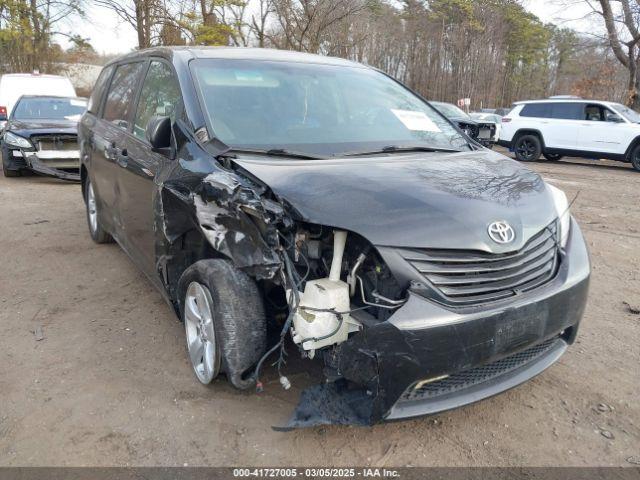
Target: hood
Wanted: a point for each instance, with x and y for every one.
(426, 200)
(26, 128)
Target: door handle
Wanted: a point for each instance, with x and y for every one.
(122, 158)
(111, 151)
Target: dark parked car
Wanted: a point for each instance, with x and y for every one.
(484, 132)
(279, 198)
(41, 135)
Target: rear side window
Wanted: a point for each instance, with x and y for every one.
(119, 104)
(160, 95)
(98, 89)
(567, 111)
(537, 110)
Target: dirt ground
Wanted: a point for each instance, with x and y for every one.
(94, 371)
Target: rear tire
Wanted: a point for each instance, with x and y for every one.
(553, 157)
(635, 158)
(528, 148)
(233, 335)
(98, 234)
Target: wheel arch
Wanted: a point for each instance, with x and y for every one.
(529, 131)
(184, 251)
(634, 143)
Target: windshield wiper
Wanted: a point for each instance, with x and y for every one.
(400, 149)
(274, 152)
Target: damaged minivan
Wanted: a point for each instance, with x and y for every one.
(282, 200)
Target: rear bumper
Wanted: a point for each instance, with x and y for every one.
(424, 341)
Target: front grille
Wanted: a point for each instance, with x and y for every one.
(469, 378)
(56, 142)
(464, 277)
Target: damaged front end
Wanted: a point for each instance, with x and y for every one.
(53, 157)
(413, 355)
(393, 343)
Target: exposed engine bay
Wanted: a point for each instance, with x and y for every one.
(347, 281)
(336, 285)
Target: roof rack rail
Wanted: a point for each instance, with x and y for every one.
(571, 97)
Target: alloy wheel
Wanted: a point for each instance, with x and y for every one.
(526, 149)
(201, 337)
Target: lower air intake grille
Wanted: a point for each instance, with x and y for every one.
(466, 277)
(475, 376)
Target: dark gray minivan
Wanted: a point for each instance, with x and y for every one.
(283, 201)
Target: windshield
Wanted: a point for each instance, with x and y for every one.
(450, 111)
(627, 113)
(315, 109)
(49, 108)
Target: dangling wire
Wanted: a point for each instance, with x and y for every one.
(294, 301)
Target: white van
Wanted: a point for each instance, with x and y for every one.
(14, 85)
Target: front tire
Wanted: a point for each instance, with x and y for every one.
(98, 234)
(528, 148)
(553, 157)
(5, 170)
(225, 322)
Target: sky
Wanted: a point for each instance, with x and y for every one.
(109, 35)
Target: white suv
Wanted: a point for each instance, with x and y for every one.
(576, 127)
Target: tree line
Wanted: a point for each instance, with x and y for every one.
(492, 51)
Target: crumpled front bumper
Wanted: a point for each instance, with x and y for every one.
(52, 163)
(423, 343)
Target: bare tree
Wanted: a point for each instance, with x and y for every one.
(623, 34)
(304, 24)
(142, 15)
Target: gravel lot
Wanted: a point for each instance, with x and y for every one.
(93, 370)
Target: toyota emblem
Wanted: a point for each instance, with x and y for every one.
(501, 232)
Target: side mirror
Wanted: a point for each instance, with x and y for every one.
(159, 134)
(615, 119)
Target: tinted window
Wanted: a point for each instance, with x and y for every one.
(119, 104)
(98, 89)
(538, 110)
(160, 95)
(567, 111)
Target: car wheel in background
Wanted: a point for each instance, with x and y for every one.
(635, 158)
(224, 320)
(553, 157)
(95, 229)
(528, 148)
(7, 172)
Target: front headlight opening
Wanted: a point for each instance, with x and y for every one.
(14, 140)
(564, 215)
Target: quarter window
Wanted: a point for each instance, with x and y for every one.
(536, 110)
(119, 105)
(160, 95)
